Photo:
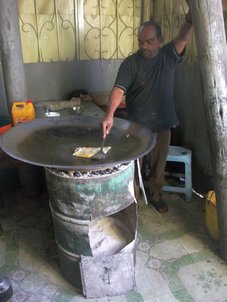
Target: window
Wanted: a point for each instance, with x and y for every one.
(65, 30)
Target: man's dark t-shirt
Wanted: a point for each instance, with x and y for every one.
(148, 85)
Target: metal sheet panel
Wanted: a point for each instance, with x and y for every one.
(108, 275)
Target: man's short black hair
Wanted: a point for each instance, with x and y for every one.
(155, 25)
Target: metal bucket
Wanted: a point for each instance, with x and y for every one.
(95, 223)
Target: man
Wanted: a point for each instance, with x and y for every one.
(146, 80)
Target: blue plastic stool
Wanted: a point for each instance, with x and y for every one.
(183, 155)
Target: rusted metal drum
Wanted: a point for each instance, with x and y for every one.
(95, 220)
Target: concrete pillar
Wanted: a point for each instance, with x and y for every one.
(11, 53)
(14, 79)
(212, 54)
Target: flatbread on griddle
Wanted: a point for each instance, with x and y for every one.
(88, 152)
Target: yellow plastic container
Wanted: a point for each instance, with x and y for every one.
(23, 112)
(211, 215)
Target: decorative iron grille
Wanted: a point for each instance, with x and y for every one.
(64, 30)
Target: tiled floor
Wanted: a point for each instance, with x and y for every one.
(176, 259)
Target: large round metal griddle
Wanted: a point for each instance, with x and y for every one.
(50, 142)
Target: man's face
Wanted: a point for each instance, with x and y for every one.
(149, 43)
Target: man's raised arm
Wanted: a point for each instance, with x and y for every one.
(184, 33)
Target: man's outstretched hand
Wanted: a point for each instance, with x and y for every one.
(107, 124)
